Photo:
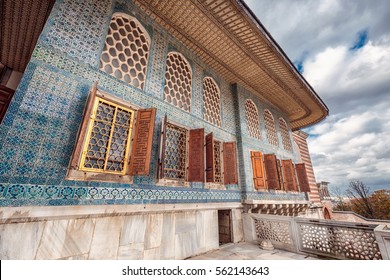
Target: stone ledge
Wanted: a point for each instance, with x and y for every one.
(44, 213)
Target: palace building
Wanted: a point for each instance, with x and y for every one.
(142, 129)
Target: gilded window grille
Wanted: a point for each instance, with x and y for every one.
(270, 128)
(252, 119)
(217, 162)
(125, 54)
(286, 140)
(178, 80)
(175, 155)
(212, 101)
(107, 145)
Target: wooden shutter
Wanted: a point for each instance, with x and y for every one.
(289, 175)
(196, 155)
(271, 172)
(230, 163)
(210, 174)
(160, 170)
(258, 170)
(5, 99)
(303, 181)
(280, 173)
(74, 164)
(142, 142)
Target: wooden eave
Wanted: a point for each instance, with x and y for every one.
(229, 38)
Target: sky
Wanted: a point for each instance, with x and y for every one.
(342, 48)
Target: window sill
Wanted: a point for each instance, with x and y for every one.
(79, 175)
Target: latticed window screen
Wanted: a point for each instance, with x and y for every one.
(217, 162)
(178, 79)
(212, 101)
(285, 135)
(125, 54)
(252, 119)
(175, 155)
(270, 128)
(107, 144)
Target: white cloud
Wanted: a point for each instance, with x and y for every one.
(354, 141)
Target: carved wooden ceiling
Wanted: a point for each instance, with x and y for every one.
(231, 40)
(21, 24)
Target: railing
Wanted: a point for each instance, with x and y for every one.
(333, 239)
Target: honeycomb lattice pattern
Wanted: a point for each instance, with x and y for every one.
(217, 162)
(252, 119)
(212, 101)
(108, 139)
(125, 54)
(285, 135)
(350, 243)
(175, 152)
(270, 128)
(178, 79)
(273, 230)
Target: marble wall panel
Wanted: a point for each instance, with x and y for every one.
(105, 240)
(133, 230)
(20, 241)
(168, 232)
(134, 251)
(153, 231)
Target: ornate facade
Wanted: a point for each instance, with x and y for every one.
(159, 122)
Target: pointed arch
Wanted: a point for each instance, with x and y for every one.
(270, 128)
(252, 119)
(286, 140)
(211, 101)
(178, 81)
(126, 51)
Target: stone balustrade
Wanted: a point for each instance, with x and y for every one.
(333, 239)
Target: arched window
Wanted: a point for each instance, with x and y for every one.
(252, 119)
(212, 101)
(285, 135)
(178, 79)
(125, 54)
(270, 128)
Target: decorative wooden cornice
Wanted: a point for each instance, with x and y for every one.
(230, 39)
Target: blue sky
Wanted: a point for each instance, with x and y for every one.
(342, 48)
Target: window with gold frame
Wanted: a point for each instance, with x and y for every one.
(107, 146)
(114, 140)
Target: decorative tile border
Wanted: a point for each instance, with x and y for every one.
(23, 195)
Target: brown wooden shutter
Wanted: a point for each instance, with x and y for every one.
(258, 170)
(83, 127)
(160, 170)
(230, 163)
(210, 174)
(303, 181)
(196, 155)
(5, 99)
(289, 175)
(271, 172)
(142, 142)
(280, 173)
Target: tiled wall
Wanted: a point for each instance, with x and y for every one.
(39, 130)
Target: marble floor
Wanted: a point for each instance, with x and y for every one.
(249, 251)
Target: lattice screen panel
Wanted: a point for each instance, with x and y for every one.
(252, 119)
(285, 135)
(125, 54)
(212, 101)
(217, 162)
(175, 152)
(108, 139)
(270, 128)
(178, 79)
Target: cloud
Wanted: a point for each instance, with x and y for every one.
(342, 47)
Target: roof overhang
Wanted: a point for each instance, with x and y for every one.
(231, 40)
